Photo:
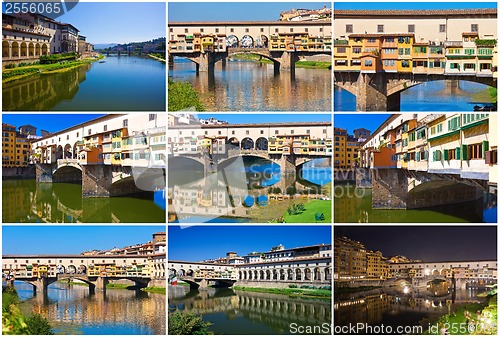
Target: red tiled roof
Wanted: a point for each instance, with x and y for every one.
(425, 12)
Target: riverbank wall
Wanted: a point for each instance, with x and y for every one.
(21, 172)
(279, 285)
(161, 283)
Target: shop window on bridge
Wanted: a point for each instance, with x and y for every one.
(355, 62)
(341, 50)
(368, 63)
(469, 66)
(475, 151)
(454, 123)
(490, 157)
(356, 50)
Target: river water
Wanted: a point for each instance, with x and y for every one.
(235, 312)
(252, 191)
(252, 86)
(386, 307)
(27, 201)
(354, 205)
(119, 84)
(429, 96)
(71, 310)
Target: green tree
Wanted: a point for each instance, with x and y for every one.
(187, 324)
(38, 325)
(181, 96)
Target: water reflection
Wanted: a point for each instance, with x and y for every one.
(390, 308)
(251, 86)
(119, 84)
(240, 193)
(355, 205)
(27, 201)
(239, 312)
(429, 96)
(111, 312)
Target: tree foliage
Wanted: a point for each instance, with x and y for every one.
(182, 96)
(180, 323)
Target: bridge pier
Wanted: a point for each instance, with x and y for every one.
(371, 92)
(288, 60)
(402, 189)
(96, 180)
(100, 283)
(206, 62)
(44, 173)
(41, 285)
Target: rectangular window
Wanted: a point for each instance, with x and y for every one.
(475, 151)
(231, 30)
(152, 117)
(247, 30)
(411, 28)
(453, 123)
(442, 28)
(125, 123)
(368, 63)
(356, 50)
(474, 27)
(380, 28)
(341, 50)
(348, 29)
(186, 30)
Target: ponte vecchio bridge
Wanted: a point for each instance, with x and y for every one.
(94, 270)
(282, 42)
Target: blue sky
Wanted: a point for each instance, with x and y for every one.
(356, 120)
(235, 11)
(197, 243)
(72, 239)
(272, 118)
(48, 122)
(118, 22)
(413, 5)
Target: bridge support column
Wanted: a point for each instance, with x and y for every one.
(390, 189)
(9, 283)
(371, 94)
(206, 63)
(170, 61)
(44, 173)
(96, 180)
(288, 60)
(394, 102)
(101, 283)
(41, 285)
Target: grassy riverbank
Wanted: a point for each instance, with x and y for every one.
(158, 57)
(17, 73)
(156, 290)
(483, 315)
(299, 64)
(74, 283)
(310, 210)
(292, 292)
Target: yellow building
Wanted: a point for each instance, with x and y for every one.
(15, 147)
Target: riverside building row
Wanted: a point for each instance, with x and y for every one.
(354, 262)
(308, 263)
(27, 36)
(313, 139)
(465, 145)
(126, 140)
(451, 42)
(287, 36)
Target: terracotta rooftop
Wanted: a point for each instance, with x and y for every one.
(459, 12)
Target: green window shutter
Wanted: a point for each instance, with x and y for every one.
(445, 154)
(458, 153)
(464, 152)
(418, 156)
(485, 146)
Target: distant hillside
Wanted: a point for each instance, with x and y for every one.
(104, 45)
(153, 46)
